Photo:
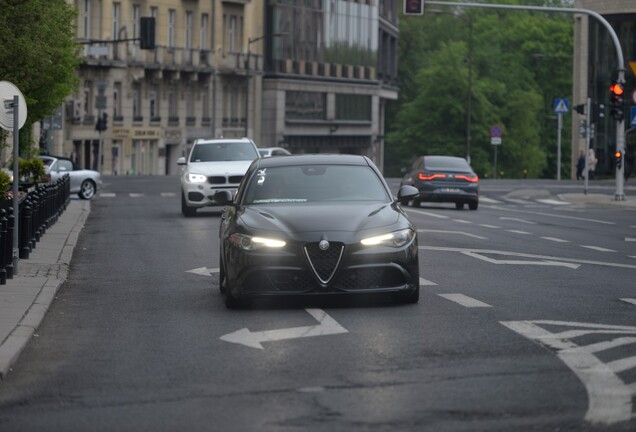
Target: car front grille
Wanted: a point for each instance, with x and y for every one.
(216, 180)
(324, 262)
(369, 278)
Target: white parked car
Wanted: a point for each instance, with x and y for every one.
(84, 182)
(213, 165)
(273, 151)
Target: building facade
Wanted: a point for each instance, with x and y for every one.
(308, 75)
(595, 68)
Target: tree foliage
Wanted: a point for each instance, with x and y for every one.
(521, 61)
(38, 54)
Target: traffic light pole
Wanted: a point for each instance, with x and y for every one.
(620, 124)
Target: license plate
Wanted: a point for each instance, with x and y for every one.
(449, 190)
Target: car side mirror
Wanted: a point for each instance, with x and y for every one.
(223, 197)
(407, 192)
(181, 161)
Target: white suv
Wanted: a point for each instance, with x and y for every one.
(213, 165)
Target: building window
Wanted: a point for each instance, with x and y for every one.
(117, 114)
(153, 102)
(86, 19)
(190, 119)
(172, 104)
(205, 105)
(204, 31)
(233, 30)
(116, 19)
(154, 12)
(305, 105)
(135, 21)
(233, 107)
(136, 96)
(353, 107)
(188, 30)
(88, 97)
(172, 18)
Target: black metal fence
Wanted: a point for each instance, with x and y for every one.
(40, 207)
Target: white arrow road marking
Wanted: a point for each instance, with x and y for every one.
(464, 300)
(525, 255)
(424, 282)
(609, 398)
(517, 220)
(453, 232)
(520, 262)
(203, 271)
(327, 326)
(629, 300)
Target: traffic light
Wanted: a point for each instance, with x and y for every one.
(102, 123)
(147, 33)
(616, 101)
(413, 7)
(618, 157)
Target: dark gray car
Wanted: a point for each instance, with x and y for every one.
(443, 179)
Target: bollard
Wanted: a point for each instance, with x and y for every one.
(25, 230)
(3, 239)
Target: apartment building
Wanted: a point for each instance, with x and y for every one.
(595, 67)
(311, 76)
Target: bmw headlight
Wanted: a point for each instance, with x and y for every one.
(195, 178)
(392, 239)
(247, 242)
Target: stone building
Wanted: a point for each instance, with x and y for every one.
(595, 68)
(310, 75)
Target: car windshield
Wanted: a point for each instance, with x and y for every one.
(223, 151)
(315, 183)
(442, 162)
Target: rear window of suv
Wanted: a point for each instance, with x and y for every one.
(223, 151)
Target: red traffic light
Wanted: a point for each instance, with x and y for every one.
(617, 89)
(413, 7)
(618, 155)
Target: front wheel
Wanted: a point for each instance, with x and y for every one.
(185, 210)
(87, 190)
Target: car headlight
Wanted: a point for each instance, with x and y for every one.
(392, 239)
(247, 242)
(195, 178)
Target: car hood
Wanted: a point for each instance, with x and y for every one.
(320, 218)
(219, 167)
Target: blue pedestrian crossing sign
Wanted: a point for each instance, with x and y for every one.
(561, 106)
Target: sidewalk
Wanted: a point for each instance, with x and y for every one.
(25, 299)
(599, 200)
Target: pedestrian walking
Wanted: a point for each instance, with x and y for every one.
(591, 163)
(580, 166)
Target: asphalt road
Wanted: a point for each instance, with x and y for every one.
(527, 321)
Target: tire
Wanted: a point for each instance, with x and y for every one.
(185, 210)
(87, 190)
(222, 281)
(473, 205)
(409, 297)
(459, 205)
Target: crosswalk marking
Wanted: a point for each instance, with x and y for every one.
(464, 300)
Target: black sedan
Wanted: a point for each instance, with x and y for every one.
(443, 179)
(316, 224)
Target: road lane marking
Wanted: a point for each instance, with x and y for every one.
(518, 220)
(554, 215)
(462, 221)
(598, 248)
(519, 232)
(525, 255)
(520, 262)
(168, 194)
(453, 232)
(609, 398)
(326, 326)
(424, 282)
(489, 200)
(135, 195)
(108, 194)
(630, 239)
(203, 271)
(490, 226)
(554, 239)
(553, 202)
(629, 300)
(614, 343)
(464, 300)
(518, 201)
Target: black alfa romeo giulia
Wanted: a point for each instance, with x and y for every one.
(316, 224)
